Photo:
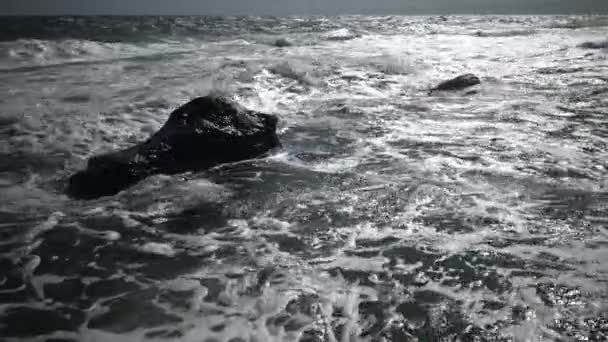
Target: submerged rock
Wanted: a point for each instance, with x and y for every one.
(282, 42)
(203, 133)
(458, 83)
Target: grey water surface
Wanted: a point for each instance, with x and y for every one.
(389, 215)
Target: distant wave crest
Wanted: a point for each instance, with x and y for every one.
(42, 52)
(34, 53)
(341, 34)
(392, 65)
(292, 71)
(508, 33)
(576, 23)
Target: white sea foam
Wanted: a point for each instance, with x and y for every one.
(158, 248)
(446, 203)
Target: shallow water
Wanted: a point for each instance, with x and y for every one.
(389, 215)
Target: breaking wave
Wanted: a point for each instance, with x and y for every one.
(509, 33)
(33, 52)
(33, 49)
(294, 71)
(579, 22)
(24, 54)
(341, 35)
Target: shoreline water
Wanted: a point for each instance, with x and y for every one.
(388, 213)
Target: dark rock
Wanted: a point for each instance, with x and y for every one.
(458, 83)
(201, 134)
(282, 42)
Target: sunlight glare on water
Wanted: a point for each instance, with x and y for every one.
(388, 215)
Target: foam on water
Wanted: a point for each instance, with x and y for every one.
(388, 215)
(341, 35)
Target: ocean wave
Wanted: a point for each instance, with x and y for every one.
(577, 23)
(119, 29)
(341, 35)
(378, 185)
(26, 49)
(558, 70)
(392, 65)
(508, 33)
(29, 54)
(293, 71)
(594, 45)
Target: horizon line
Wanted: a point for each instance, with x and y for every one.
(293, 15)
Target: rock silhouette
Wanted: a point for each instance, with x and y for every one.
(282, 42)
(458, 83)
(200, 134)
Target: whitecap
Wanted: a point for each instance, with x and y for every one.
(392, 65)
(292, 70)
(158, 249)
(341, 35)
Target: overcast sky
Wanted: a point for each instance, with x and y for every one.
(282, 7)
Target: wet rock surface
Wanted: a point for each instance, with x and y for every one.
(457, 83)
(203, 133)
